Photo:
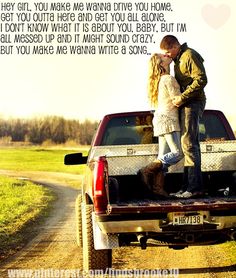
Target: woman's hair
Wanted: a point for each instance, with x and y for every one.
(154, 75)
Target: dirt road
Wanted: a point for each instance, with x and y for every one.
(55, 248)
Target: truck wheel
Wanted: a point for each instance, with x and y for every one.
(92, 259)
(78, 216)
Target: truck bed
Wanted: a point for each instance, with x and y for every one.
(227, 205)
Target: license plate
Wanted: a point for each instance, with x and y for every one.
(181, 219)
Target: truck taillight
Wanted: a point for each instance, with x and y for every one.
(100, 184)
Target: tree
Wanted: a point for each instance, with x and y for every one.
(53, 128)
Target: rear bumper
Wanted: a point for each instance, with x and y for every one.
(145, 232)
(114, 225)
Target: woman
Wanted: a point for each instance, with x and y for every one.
(162, 88)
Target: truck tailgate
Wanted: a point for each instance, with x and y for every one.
(170, 205)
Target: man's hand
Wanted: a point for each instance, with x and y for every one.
(177, 101)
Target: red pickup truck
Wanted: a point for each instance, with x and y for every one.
(115, 209)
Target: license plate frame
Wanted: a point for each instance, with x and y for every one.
(181, 219)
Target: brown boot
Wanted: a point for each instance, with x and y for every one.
(158, 187)
(147, 177)
(147, 173)
(154, 166)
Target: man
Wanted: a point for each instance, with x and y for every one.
(191, 76)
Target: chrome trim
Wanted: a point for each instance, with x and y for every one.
(130, 226)
(154, 225)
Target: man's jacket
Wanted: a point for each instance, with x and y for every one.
(190, 74)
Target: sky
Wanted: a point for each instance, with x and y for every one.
(90, 86)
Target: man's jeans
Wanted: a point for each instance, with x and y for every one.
(190, 115)
(170, 151)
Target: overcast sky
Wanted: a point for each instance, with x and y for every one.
(83, 86)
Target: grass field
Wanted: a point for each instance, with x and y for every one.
(38, 159)
(21, 203)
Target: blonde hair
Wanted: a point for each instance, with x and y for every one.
(154, 75)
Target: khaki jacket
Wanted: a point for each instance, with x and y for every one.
(190, 74)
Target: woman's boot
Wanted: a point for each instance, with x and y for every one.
(158, 186)
(148, 171)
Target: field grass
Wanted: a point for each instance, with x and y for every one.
(38, 159)
(21, 204)
(231, 248)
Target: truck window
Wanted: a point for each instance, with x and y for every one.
(212, 127)
(129, 130)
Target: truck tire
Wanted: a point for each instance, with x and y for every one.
(92, 259)
(78, 216)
